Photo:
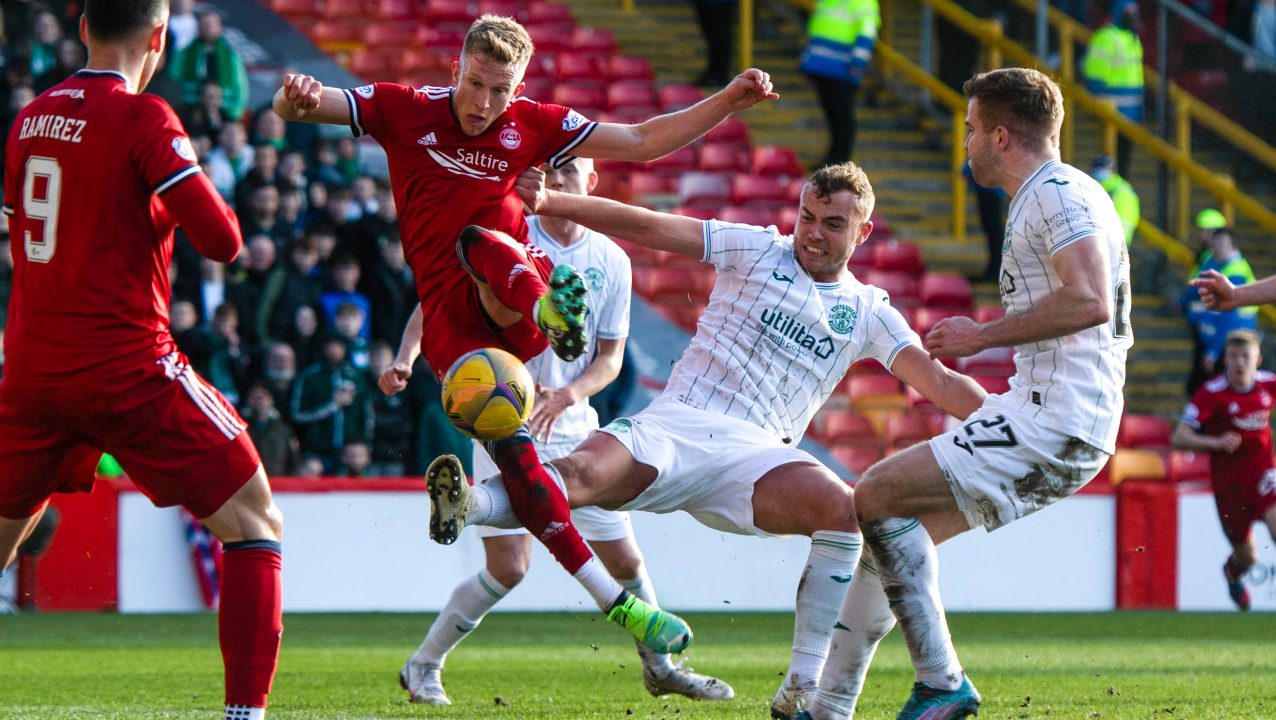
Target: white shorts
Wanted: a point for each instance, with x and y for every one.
(706, 462)
(1003, 465)
(593, 523)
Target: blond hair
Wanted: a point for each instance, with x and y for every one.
(501, 39)
(844, 176)
(1025, 101)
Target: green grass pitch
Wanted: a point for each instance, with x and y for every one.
(528, 666)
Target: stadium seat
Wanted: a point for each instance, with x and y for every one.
(368, 65)
(633, 93)
(1189, 466)
(946, 290)
(701, 189)
(396, 36)
(678, 96)
(538, 11)
(992, 361)
(759, 191)
(867, 390)
(506, 8)
(746, 216)
(918, 402)
(675, 164)
(901, 287)
(881, 228)
(927, 317)
(551, 37)
(677, 285)
(724, 157)
(795, 190)
(538, 88)
(293, 9)
(844, 427)
(578, 68)
(345, 10)
(697, 213)
(1144, 431)
(994, 384)
(988, 313)
(643, 185)
(639, 255)
(336, 35)
(731, 130)
(594, 40)
(779, 162)
(786, 219)
(588, 101)
(398, 9)
(867, 366)
(446, 40)
(897, 256)
(439, 13)
(856, 459)
(906, 429)
(628, 67)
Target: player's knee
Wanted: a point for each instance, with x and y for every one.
(508, 571)
(835, 510)
(625, 567)
(870, 496)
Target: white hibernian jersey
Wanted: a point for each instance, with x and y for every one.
(606, 270)
(1075, 382)
(773, 343)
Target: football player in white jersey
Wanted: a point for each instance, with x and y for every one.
(562, 417)
(1065, 282)
(784, 322)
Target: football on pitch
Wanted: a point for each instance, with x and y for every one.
(488, 394)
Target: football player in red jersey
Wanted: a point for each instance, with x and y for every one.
(1230, 417)
(96, 177)
(455, 154)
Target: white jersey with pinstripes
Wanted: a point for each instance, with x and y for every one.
(1073, 383)
(773, 343)
(607, 274)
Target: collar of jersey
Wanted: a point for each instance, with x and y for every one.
(87, 73)
(1035, 174)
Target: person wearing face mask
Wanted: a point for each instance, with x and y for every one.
(1113, 70)
(1121, 192)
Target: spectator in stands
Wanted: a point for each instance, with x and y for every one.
(290, 222)
(1207, 221)
(1230, 418)
(393, 424)
(1210, 328)
(1121, 192)
(331, 405)
(325, 168)
(269, 128)
(364, 190)
(291, 287)
(211, 58)
(842, 34)
(42, 47)
(316, 203)
(355, 459)
(349, 320)
(212, 290)
(292, 168)
(1113, 70)
(259, 208)
(391, 290)
(194, 341)
(68, 59)
(347, 159)
(345, 284)
(231, 160)
(304, 335)
(717, 20)
(206, 116)
(278, 371)
(1258, 83)
(228, 363)
(183, 26)
(274, 437)
(435, 434)
(247, 283)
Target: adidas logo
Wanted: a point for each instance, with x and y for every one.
(429, 139)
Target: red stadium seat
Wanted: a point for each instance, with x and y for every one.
(1144, 431)
(398, 9)
(856, 459)
(345, 10)
(759, 191)
(685, 285)
(724, 158)
(946, 290)
(677, 163)
(988, 313)
(786, 219)
(336, 34)
(448, 12)
(994, 384)
(906, 429)
(863, 389)
(700, 189)
(677, 97)
(795, 190)
(746, 216)
(1189, 466)
(628, 67)
(643, 185)
(781, 162)
(537, 88)
(843, 427)
(928, 317)
(901, 287)
(588, 101)
(867, 366)
(633, 93)
(391, 37)
(594, 40)
(369, 65)
(992, 361)
(538, 11)
(296, 8)
(505, 8)
(697, 213)
(578, 68)
(551, 37)
(732, 130)
(881, 228)
(897, 256)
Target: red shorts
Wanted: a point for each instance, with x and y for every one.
(454, 323)
(1243, 503)
(178, 439)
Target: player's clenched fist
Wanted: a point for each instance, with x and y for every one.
(302, 93)
(750, 88)
(394, 379)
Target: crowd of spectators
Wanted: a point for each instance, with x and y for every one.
(296, 330)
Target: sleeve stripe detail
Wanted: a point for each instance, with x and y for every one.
(890, 359)
(561, 157)
(176, 178)
(356, 122)
(8, 209)
(708, 253)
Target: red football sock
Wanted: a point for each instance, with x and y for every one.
(505, 268)
(538, 502)
(249, 622)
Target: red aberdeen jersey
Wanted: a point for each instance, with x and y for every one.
(444, 179)
(86, 164)
(1216, 408)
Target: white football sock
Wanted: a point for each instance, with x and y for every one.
(865, 619)
(820, 592)
(470, 601)
(659, 663)
(600, 585)
(243, 712)
(490, 504)
(909, 570)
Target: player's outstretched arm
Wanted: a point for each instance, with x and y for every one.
(1188, 438)
(1219, 294)
(662, 231)
(662, 135)
(952, 392)
(394, 379)
(1083, 300)
(304, 98)
(208, 221)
